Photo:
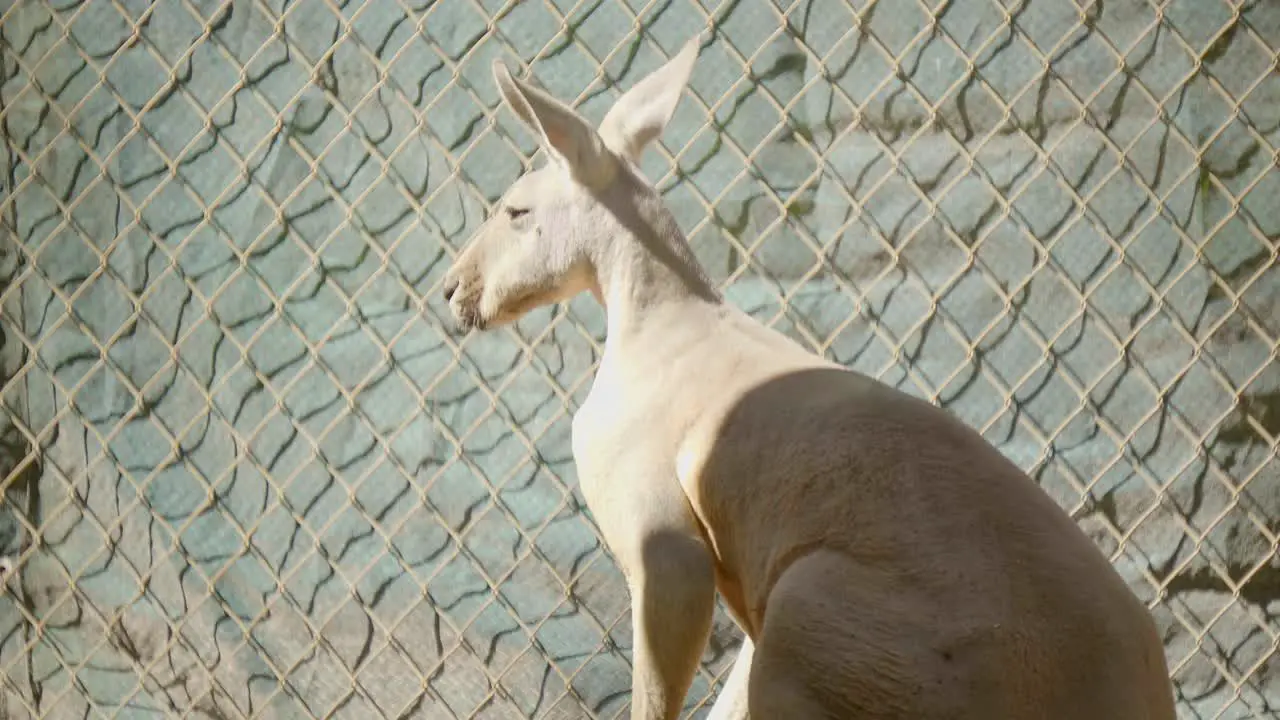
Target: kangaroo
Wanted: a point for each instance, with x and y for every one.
(883, 560)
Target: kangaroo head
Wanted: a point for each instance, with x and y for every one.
(538, 245)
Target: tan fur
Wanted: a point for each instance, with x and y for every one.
(883, 560)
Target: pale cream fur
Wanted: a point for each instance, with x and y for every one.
(883, 560)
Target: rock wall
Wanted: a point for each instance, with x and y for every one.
(267, 479)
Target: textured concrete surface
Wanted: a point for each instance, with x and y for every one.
(247, 471)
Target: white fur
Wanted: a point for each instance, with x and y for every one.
(883, 560)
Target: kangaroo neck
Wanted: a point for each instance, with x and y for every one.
(647, 266)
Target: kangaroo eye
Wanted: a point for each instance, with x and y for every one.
(515, 213)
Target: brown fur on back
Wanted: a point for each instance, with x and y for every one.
(942, 565)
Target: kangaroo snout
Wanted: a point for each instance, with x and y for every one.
(462, 290)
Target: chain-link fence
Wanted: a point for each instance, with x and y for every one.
(248, 473)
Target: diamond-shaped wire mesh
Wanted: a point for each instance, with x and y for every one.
(247, 472)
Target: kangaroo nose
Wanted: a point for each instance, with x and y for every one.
(450, 287)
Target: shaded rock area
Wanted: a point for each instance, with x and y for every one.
(248, 469)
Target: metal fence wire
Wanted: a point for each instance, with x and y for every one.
(247, 472)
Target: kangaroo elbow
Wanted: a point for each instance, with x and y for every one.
(678, 562)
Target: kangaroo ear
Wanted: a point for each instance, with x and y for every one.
(642, 113)
(569, 139)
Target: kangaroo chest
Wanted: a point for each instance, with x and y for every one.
(631, 430)
(616, 439)
(647, 445)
